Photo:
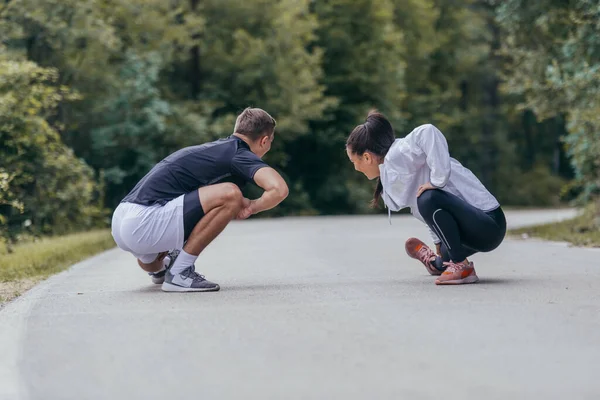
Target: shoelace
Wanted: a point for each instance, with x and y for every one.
(191, 273)
(453, 267)
(425, 254)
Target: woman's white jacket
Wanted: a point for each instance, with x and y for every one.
(422, 156)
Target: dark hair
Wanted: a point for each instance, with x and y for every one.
(376, 136)
(254, 123)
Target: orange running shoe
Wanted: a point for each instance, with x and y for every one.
(419, 251)
(457, 274)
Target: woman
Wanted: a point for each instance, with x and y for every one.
(417, 172)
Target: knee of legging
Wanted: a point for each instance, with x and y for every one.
(490, 246)
(427, 202)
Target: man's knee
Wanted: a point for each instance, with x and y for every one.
(232, 195)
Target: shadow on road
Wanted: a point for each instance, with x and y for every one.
(498, 281)
(333, 285)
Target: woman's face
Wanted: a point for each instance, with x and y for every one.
(367, 163)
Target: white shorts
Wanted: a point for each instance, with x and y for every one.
(145, 231)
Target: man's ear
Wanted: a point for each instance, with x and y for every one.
(266, 139)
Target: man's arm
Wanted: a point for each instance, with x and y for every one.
(275, 191)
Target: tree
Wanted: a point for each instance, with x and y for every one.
(259, 53)
(453, 80)
(129, 134)
(56, 192)
(363, 69)
(554, 52)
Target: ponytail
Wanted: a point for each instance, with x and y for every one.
(377, 194)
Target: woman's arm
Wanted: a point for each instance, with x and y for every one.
(433, 143)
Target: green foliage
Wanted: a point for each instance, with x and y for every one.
(258, 53)
(363, 57)
(7, 196)
(536, 187)
(506, 81)
(554, 51)
(363, 68)
(131, 125)
(55, 190)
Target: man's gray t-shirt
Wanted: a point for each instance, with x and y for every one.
(186, 170)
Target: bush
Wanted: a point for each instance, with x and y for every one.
(56, 191)
(537, 187)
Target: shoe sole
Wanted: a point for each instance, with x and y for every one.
(158, 281)
(169, 287)
(468, 279)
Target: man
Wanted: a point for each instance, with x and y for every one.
(188, 198)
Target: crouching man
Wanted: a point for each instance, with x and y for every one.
(188, 198)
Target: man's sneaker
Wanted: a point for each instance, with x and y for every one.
(419, 251)
(188, 281)
(159, 277)
(457, 274)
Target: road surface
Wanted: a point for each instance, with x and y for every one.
(314, 308)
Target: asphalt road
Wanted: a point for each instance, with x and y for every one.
(314, 308)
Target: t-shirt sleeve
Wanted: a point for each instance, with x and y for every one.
(245, 164)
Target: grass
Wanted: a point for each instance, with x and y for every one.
(31, 262)
(580, 231)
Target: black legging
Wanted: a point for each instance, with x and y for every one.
(463, 229)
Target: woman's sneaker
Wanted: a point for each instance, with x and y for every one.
(457, 274)
(187, 280)
(418, 250)
(159, 277)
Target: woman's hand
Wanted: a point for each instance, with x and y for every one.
(423, 188)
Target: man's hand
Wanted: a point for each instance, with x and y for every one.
(246, 210)
(422, 188)
(275, 189)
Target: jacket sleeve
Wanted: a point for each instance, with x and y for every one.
(433, 143)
